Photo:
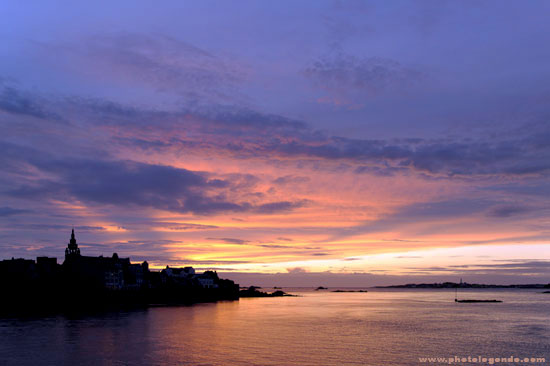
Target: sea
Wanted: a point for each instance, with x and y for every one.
(380, 327)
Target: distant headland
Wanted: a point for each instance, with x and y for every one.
(85, 282)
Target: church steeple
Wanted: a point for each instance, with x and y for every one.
(72, 247)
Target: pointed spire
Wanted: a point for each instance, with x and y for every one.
(73, 239)
(72, 248)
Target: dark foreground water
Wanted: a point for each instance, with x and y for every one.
(381, 327)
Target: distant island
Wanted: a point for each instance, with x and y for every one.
(253, 291)
(464, 285)
(91, 283)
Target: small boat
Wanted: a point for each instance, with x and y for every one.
(471, 301)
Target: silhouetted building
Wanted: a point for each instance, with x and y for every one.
(136, 275)
(17, 270)
(48, 271)
(97, 272)
(46, 264)
(184, 272)
(208, 279)
(72, 248)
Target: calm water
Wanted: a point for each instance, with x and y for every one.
(382, 327)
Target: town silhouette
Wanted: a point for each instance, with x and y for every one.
(87, 282)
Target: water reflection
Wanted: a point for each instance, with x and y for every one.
(379, 327)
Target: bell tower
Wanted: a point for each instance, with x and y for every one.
(72, 248)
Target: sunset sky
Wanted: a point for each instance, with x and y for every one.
(327, 142)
